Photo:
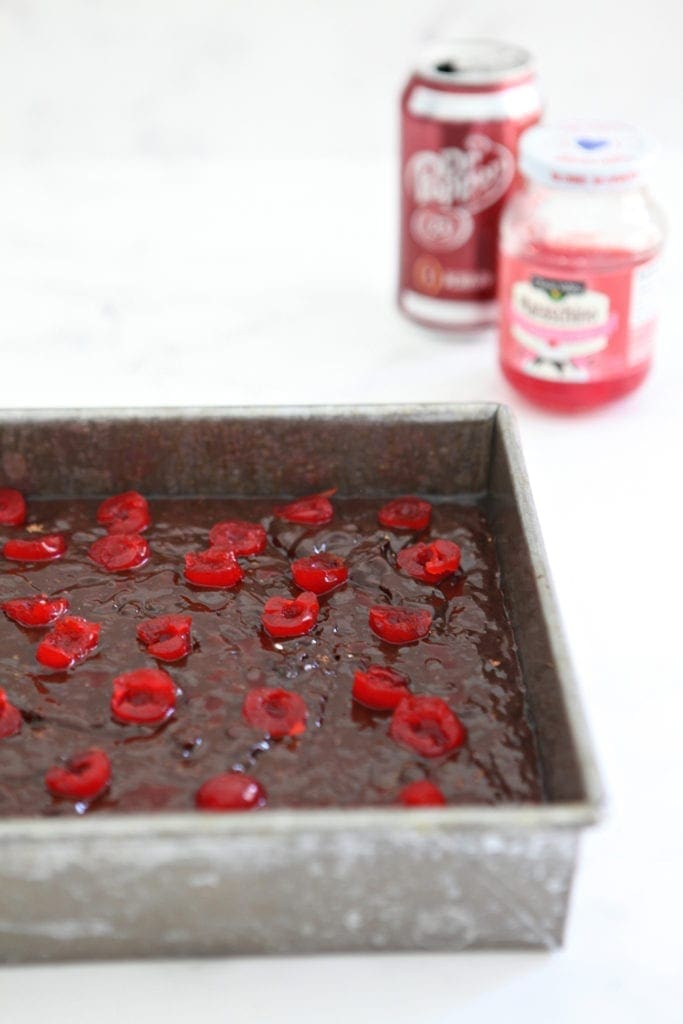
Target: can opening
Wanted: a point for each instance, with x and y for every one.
(474, 62)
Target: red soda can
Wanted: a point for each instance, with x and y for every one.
(463, 111)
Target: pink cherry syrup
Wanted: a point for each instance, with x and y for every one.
(578, 266)
(608, 373)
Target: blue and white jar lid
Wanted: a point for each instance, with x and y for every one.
(586, 155)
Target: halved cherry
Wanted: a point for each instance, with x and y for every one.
(12, 507)
(426, 725)
(238, 536)
(118, 552)
(35, 549)
(275, 712)
(124, 513)
(431, 562)
(399, 625)
(313, 510)
(230, 791)
(10, 718)
(71, 640)
(286, 617)
(144, 696)
(379, 688)
(84, 776)
(166, 637)
(408, 513)
(319, 573)
(422, 794)
(35, 611)
(215, 567)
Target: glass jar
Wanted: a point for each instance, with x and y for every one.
(578, 255)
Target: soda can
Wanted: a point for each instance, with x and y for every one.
(463, 111)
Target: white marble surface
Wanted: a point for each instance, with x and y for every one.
(144, 265)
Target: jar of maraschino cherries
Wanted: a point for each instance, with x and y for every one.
(579, 248)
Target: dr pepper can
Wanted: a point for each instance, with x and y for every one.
(462, 111)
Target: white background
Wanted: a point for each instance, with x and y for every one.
(198, 206)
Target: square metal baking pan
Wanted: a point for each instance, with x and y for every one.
(308, 880)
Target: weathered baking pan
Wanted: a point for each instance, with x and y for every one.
(308, 880)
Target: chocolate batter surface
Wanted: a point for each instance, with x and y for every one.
(345, 757)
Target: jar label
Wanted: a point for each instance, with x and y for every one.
(576, 327)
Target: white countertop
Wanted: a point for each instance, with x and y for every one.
(137, 280)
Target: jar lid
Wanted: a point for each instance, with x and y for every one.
(586, 155)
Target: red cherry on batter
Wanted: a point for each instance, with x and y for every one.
(124, 513)
(314, 510)
(238, 536)
(399, 625)
(408, 513)
(215, 567)
(10, 717)
(285, 617)
(35, 611)
(231, 791)
(430, 563)
(12, 507)
(422, 794)
(144, 696)
(35, 549)
(319, 573)
(84, 776)
(426, 725)
(379, 688)
(71, 640)
(166, 637)
(118, 552)
(275, 712)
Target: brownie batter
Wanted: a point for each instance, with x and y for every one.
(345, 757)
